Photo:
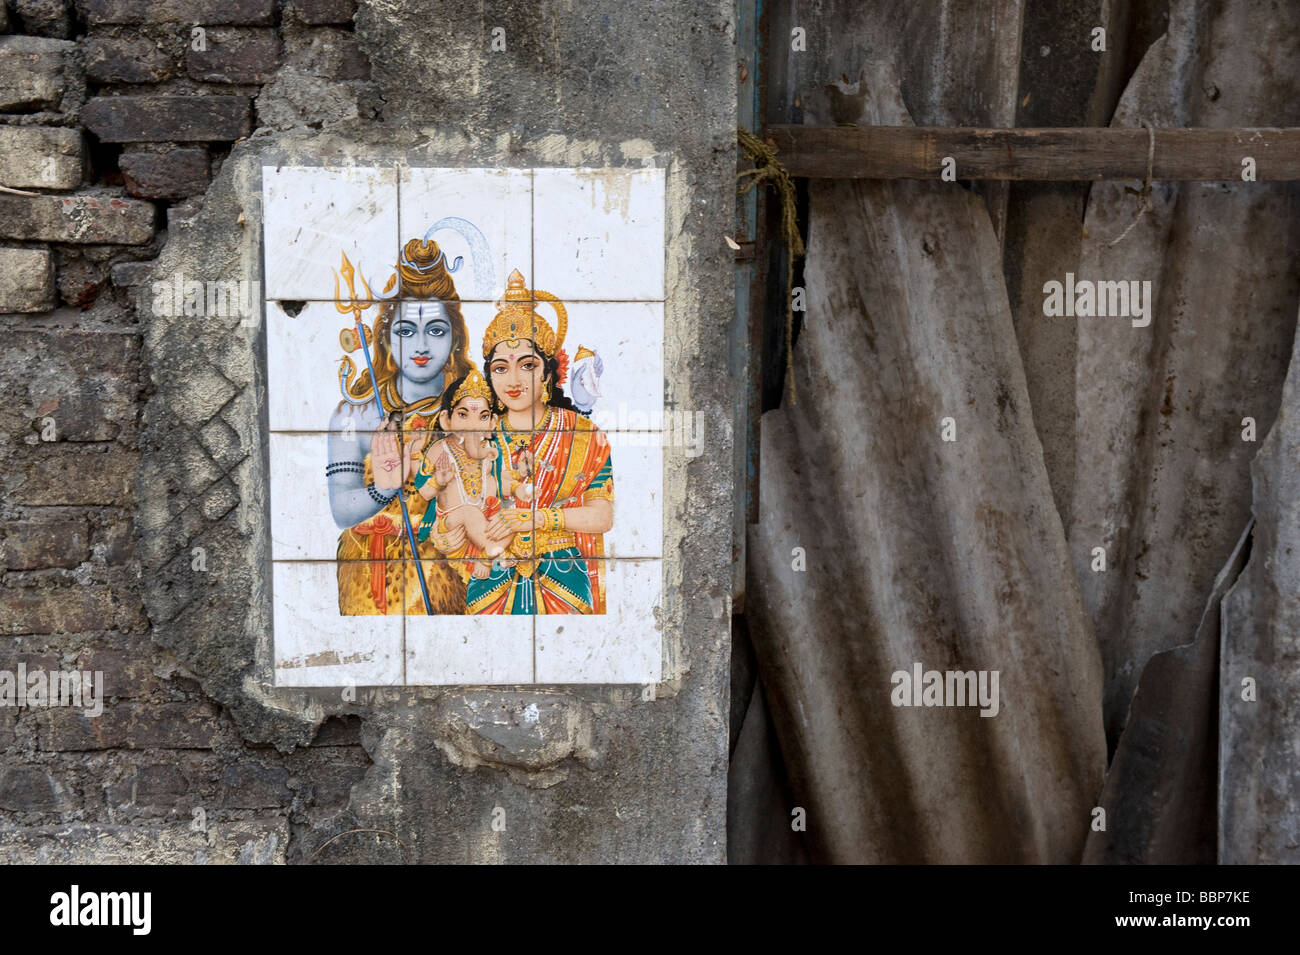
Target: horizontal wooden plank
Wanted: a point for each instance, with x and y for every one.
(1091, 154)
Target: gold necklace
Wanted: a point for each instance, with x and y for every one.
(470, 470)
(516, 441)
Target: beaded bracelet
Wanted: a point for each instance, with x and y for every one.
(340, 467)
(378, 497)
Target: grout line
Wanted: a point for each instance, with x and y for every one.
(488, 301)
(310, 431)
(404, 679)
(532, 284)
(445, 560)
(397, 257)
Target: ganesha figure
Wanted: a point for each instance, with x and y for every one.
(418, 344)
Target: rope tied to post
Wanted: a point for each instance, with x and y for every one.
(1143, 194)
(768, 169)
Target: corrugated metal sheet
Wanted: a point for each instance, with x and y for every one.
(955, 554)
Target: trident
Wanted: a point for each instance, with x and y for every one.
(356, 307)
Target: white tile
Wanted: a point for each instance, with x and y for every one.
(301, 525)
(484, 649)
(624, 645)
(302, 521)
(638, 529)
(598, 234)
(313, 214)
(303, 359)
(481, 216)
(628, 341)
(317, 646)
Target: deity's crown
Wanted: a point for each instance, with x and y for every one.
(516, 320)
(583, 352)
(474, 386)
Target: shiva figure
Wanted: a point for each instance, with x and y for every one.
(419, 344)
(556, 540)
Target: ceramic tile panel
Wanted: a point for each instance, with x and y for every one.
(312, 215)
(598, 234)
(515, 463)
(315, 645)
(625, 645)
(481, 219)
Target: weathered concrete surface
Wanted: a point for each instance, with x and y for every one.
(252, 842)
(950, 554)
(605, 775)
(1160, 465)
(1259, 774)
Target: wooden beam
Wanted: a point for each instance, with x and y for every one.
(1088, 154)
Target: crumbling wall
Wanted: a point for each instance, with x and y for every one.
(139, 140)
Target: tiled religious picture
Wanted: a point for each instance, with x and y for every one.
(465, 388)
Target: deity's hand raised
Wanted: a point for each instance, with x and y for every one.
(393, 462)
(443, 469)
(386, 459)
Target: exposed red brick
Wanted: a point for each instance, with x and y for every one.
(129, 726)
(134, 59)
(235, 55)
(317, 12)
(247, 12)
(26, 280)
(33, 72)
(171, 175)
(97, 218)
(145, 119)
(36, 545)
(72, 479)
(66, 608)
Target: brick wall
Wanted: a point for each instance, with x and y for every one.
(114, 115)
